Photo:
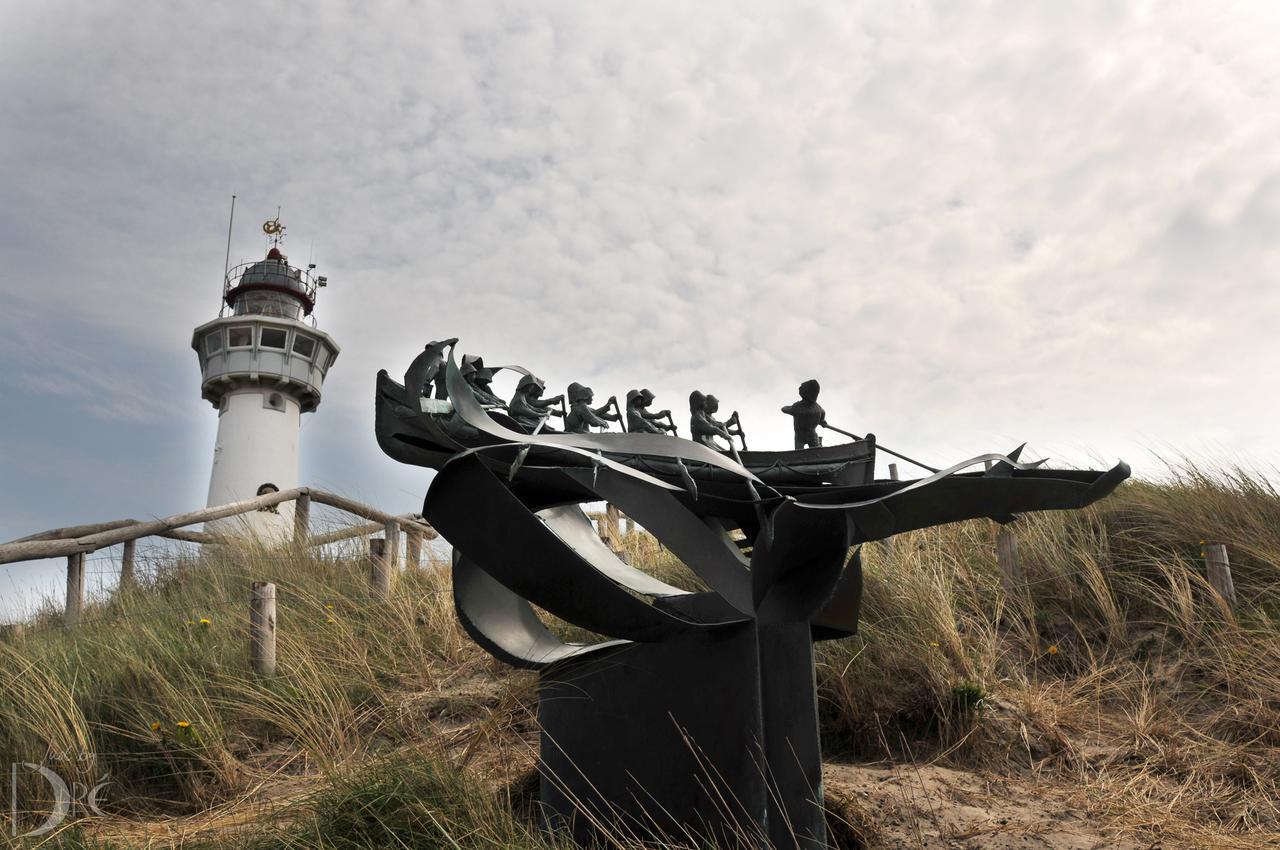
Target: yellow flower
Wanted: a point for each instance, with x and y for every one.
(331, 620)
(934, 643)
(329, 607)
(182, 724)
(155, 727)
(191, 622)
(1053, 650)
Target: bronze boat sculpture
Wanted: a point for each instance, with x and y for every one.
(694, 716)
(433, 432)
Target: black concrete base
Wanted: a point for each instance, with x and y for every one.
(677, 735)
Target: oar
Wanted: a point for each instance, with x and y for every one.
(761, 516)
(524, 450)
(742, 435)
(622, 420)
(733, 450)
(674, 430)
(881, 448)
(688, 479)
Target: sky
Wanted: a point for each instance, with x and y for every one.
(977, 224)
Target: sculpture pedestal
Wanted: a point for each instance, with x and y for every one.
(710, 736)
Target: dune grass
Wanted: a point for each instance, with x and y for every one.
(154, 687)
(1115, 664)
(1114, 669)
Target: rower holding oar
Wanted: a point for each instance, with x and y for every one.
(732, 426)
(478, 378)
(582, 415)
(702, 428)
(640, 420)
(529, 408)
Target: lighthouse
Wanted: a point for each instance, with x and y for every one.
(262, 365)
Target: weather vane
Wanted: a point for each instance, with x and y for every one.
(274, 228)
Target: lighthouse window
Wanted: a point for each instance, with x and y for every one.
(322, 358)
(274, 337)
(241, 337)
(213, 342)
(304, 346)
(267, 304)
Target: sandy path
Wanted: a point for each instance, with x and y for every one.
(910, 806)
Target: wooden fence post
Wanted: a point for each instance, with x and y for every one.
(379, 575)
(893, 472)
(391, 531)
(1219, 569)
(612, 521)
(75, 589)
(413, 548)
(302, 519)
(1007, 558)
(126, 563)
(262, 628)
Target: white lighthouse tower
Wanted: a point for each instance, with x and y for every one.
(262, 362)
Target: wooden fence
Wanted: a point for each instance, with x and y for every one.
(74, 542)
(1217, 564)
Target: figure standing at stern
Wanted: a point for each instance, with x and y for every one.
(807, 415)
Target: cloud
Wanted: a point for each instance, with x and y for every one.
(69, 358)
(972, 222)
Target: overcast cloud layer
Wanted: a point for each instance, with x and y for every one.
(976, 224)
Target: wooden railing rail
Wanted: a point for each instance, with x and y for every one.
(365, 530)
(73, 531)
(34, 549)
(82, 539)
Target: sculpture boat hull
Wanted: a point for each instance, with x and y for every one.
(429, 439)
(836, 476)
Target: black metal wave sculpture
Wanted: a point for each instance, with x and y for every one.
(694, 715)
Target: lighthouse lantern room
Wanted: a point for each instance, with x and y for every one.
(263, 362)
